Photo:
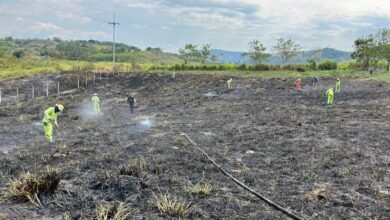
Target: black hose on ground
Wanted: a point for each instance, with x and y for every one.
(268, 201)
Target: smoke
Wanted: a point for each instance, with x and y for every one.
(146, 122)
(87, 113)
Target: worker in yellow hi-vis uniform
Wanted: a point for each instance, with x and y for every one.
(96, 103)
(338, 85)
(329, 96)
(50, 118)
(229, 83)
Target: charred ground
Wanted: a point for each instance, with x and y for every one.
(323, 162)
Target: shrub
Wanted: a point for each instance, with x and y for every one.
(312, 64)
(212, 67)
(242, 66)
(328, 65)
(260, 67)
(18, 53)
(301, 69)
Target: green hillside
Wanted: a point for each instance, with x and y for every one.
(81, 50)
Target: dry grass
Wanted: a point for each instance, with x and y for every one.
(66, 217)
(117, 211)
(317, 194)
(172, 207)
(29, 187)
(25, 189)
(136, 168)
(200, 189)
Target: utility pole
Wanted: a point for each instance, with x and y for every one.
(113, 43)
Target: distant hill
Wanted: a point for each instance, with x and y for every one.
(90, 50)
(322, 55)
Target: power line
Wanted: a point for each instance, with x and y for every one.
(114, 23)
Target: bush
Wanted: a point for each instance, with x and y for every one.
(301, 69)
(221, 67)
(328, 65)
(242, 66)
(260, 67)
(18, 53)
(312, 64)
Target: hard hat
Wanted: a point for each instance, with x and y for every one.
(95, 94)
(60, 107)
(338, 79)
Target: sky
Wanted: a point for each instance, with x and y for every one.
(225, 24)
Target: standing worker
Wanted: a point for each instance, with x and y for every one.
(314, 81)
(329, 95)
(131, 100)
(338, 85)
(96, 103)
(49, 118)
(229, 83)
(298, 85)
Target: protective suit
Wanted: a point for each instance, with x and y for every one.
(329, 95)
(229, 83)
(338, 85)
(96, 103)
(50, 117)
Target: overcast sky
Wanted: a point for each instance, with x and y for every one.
(225, 24)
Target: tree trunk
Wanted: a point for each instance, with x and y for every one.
(388, 65)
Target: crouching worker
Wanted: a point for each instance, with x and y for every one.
(50, 118)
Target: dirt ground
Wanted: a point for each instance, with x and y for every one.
(323, 162)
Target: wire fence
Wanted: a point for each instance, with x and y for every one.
(14, 91)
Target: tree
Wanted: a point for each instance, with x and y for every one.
(286, 49)
(383, 41)
(214, 59)
(314, 58)
(205, 53)
(366, 51)
(189, 53)
(75, 50)
(256, 52)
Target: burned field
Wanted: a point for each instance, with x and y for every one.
(322, 162)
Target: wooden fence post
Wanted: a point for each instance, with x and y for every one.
(78, 82)
(58, 87)
(47, 90)
(33, 95)
(17, 94)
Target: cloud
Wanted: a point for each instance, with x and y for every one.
(145, 4)
(42, 26)
(139, 26)
(73, 16)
